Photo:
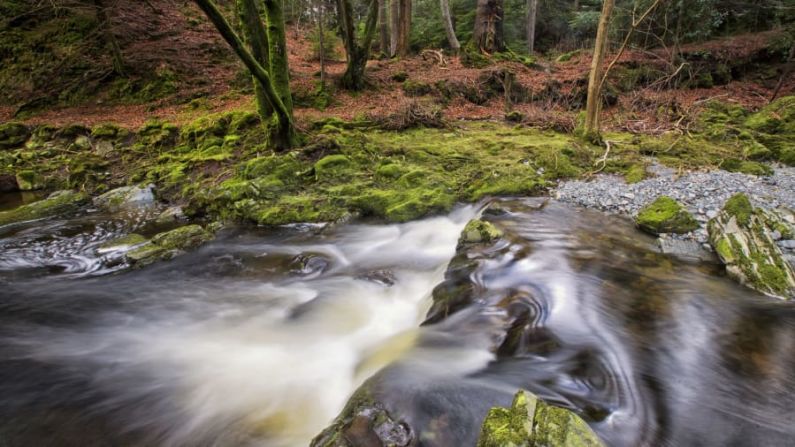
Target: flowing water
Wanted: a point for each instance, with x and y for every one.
(259, 337)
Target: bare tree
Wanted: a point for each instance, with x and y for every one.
(357, 50)
(594, 79)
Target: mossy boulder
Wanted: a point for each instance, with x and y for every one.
(746, 167)
(741, 235)
(334, 167)
(531, 422)
(29, 180)
(122, 243)
(169, 244)
(665, 215)
(13, 135)
(479, 231)
(59, 202)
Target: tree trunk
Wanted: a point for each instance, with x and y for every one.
(358, 52)
(532, 10)
(110, 38)
(488, 33)
(277, 51)
(404, 28)
(785, 74)
(282, 133)
(383, 26)
(322, 42)
(394, 25)
(257, 40)
(595, 78)
(576, 5)
(448, 26)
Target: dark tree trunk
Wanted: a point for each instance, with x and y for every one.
(358, 52)
(257, 40)
(282, 130)
(488, 33)
(394, 25)
(532, 10)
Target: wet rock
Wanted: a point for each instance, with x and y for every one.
(13, 135)
(168, 245)
(365, 423)
(479, 231)
(125, 198)
(665, 215)
(531, 422)
(309, 265)
(103, 148)
(170, 215)
(57, 203)
(383, 277)
(82, 143)
(685, 249)
(122, 243)
(8, 183)
(742, 238)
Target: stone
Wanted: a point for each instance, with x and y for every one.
(170, 215)
(531, 422)
(665, 215)
(82, 143)
(103, 148)
(126, 197)
(479, 231)
(30, 181)
(169, 244)
(8, 183)
(57, 203)
(13, 135)
(122, 243)
(742, 237)
(685, 249)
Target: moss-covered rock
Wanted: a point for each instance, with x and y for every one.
(530, 422)
(57, 203)
(746, 167)
(416, 88)
(479, 231)
(122, 243)
(13, 135)
(29, 180)
(169, 244)
(742, 237)
(665, 215)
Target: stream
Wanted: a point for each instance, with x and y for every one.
(259, 337)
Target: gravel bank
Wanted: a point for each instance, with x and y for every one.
(703, 193)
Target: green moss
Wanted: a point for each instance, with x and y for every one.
(740, 208)
(725, 251)
(106, 131)
(30, 181)
(13, 134)
(665, 215)
(746, 167)
(334, 167)
(635, 173)
(566, 57)
(478, 231)
(787, 156)
(391, 171)
(129, 240)
(57, 203)
(400, 76)
(514, 117)
(168, 244)
(416, 88)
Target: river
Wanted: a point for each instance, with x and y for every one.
(259, 337)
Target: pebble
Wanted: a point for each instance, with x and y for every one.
(703, 193)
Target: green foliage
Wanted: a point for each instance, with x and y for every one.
(331, 44)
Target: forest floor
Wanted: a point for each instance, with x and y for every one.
(210, 81)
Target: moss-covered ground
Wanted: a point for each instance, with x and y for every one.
(220, 165)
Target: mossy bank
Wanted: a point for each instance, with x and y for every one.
(220, 166)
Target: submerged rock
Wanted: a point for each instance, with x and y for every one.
(665, 215)
(531, 422)
(169, 244)
(743, 238)
(126, 197)
(57, 203)
(685, 249)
